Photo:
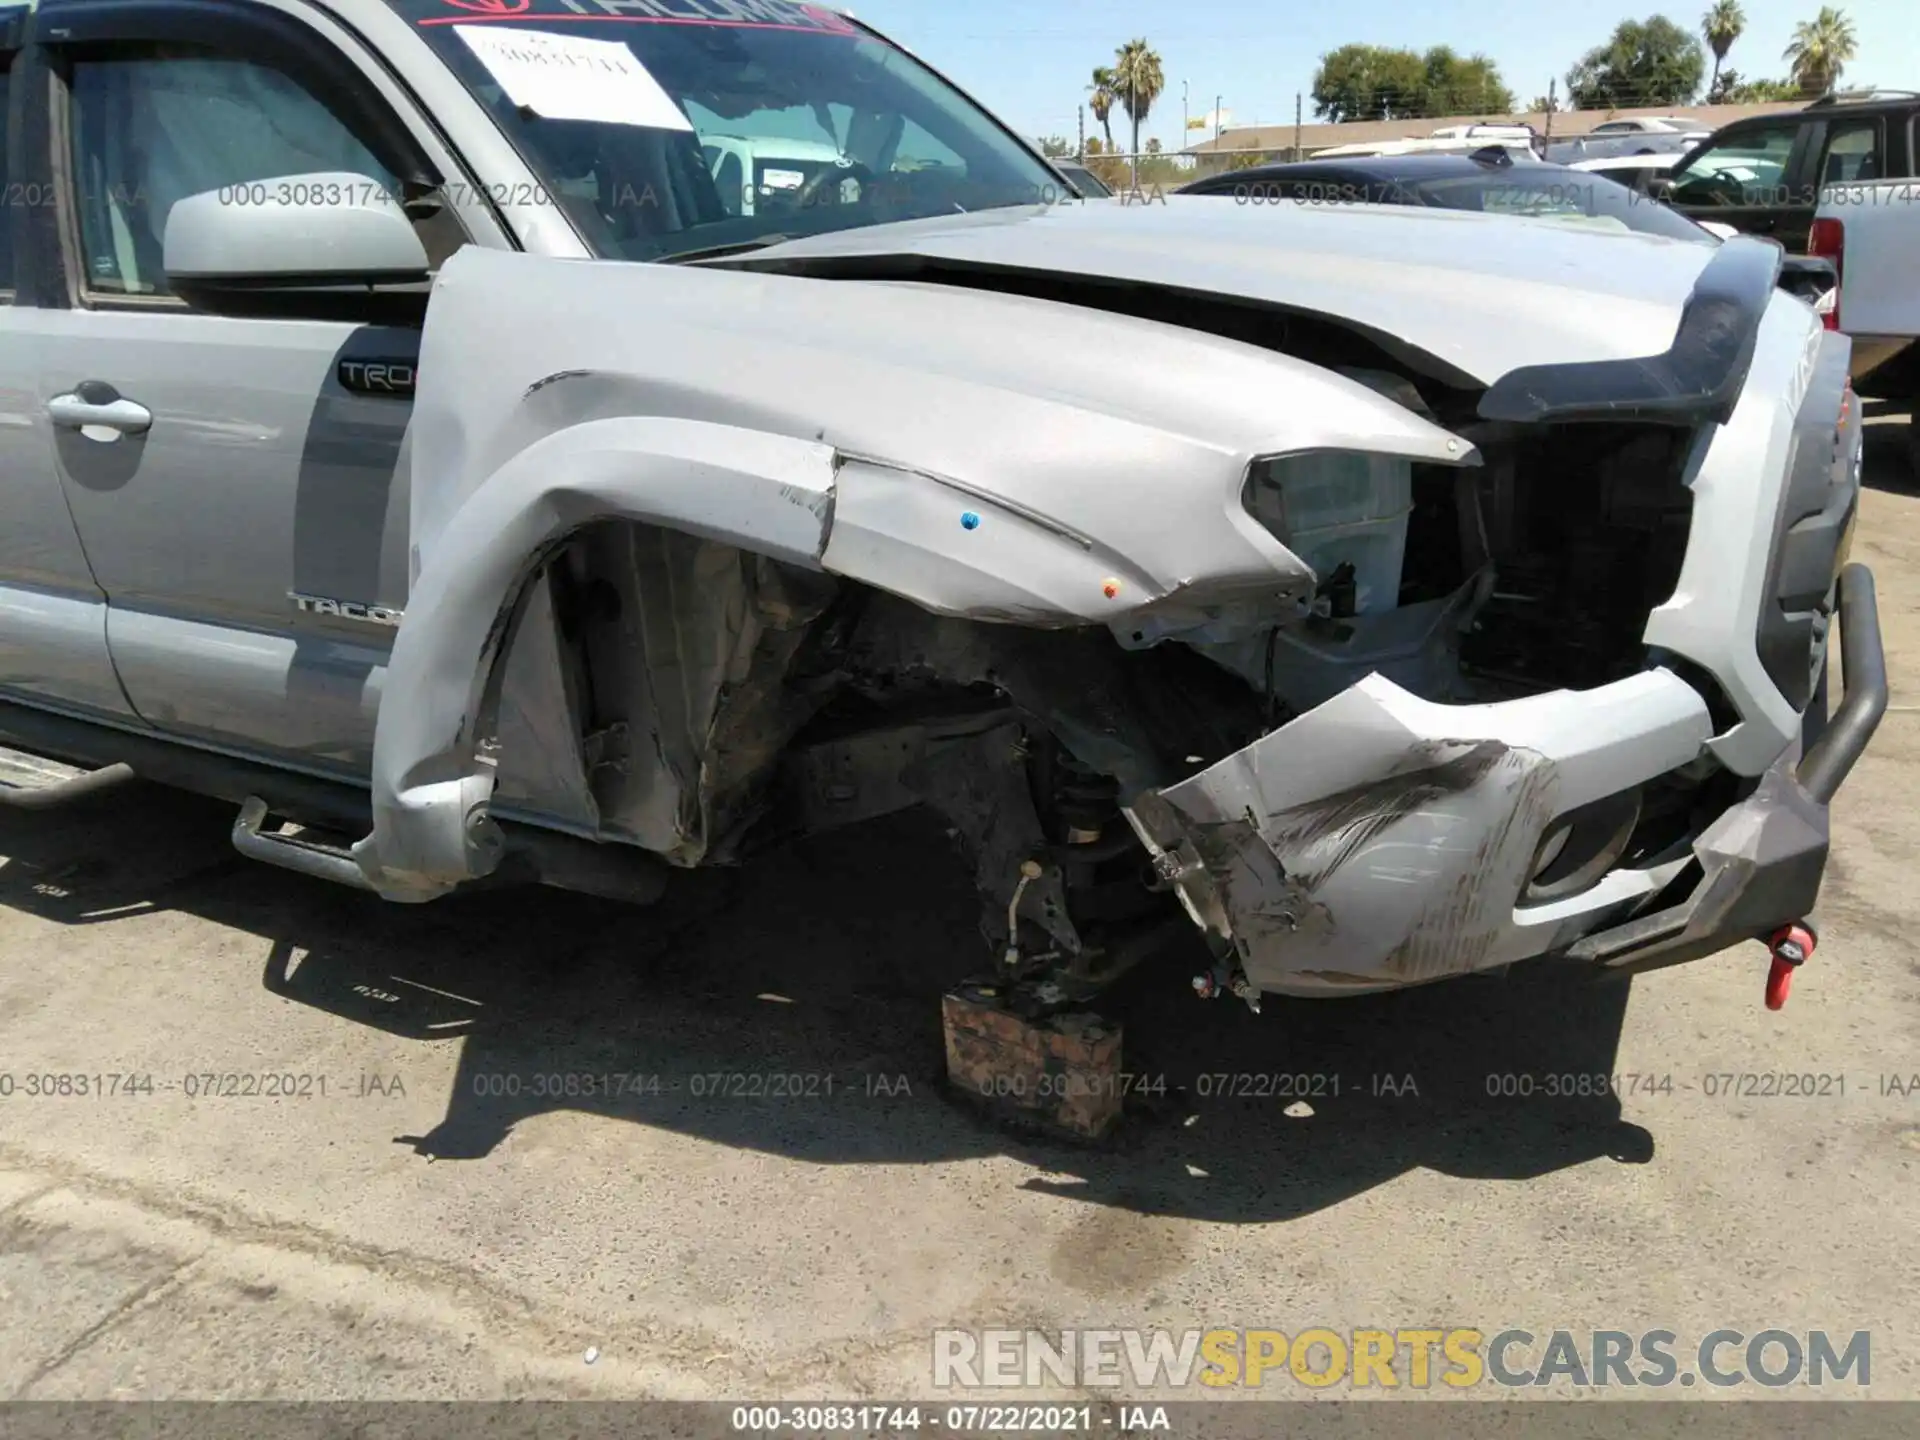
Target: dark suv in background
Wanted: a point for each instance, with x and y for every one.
(1764, 176)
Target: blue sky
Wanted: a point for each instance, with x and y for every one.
(1030, 61)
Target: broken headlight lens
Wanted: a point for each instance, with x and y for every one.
(1336, 508)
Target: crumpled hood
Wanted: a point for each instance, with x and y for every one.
(1485, 293)
(1130, 436)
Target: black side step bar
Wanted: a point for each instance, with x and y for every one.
(65, 792)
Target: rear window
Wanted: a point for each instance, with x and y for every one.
(1535, 192)
(1548, 193)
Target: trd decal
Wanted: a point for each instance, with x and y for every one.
(377, 377)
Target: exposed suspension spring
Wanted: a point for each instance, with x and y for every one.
(1083, 798)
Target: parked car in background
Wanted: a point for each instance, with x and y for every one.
(1634, 135)
(1870, 233)
(1838, 180)
(1644, 125)
(1447, 140)
(1493, 180)
(1764, 176)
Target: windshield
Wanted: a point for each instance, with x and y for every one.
(1550, 193)
(662, 130)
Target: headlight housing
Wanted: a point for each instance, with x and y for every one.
(1335, 508)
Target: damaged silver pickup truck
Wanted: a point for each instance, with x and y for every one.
(429, 435)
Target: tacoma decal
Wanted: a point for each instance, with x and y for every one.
(346, 609)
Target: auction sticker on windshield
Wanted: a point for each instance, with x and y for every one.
(758, 14)
(568, 77)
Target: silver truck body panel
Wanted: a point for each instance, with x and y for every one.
(269, 481)
(53, 614)
(1737, 489)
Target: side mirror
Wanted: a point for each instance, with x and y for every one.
(1660, 187)
(321, 246)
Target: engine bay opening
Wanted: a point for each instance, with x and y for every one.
(1534, 571)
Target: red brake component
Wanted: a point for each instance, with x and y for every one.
(1791, 947)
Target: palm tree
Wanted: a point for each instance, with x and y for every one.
(1100, 98)
(1820, 50)
(1137, 83)
(1725, 23)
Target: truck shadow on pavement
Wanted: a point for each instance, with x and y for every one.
(793, 1008)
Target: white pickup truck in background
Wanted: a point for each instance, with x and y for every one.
(1871, 232)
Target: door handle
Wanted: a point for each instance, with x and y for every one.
(73, 412)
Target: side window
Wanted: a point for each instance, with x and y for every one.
(1745, 169)
(153, 124)
(1853, 153)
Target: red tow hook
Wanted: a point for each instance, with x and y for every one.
(1791, 947)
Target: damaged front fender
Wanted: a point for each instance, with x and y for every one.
(1380, 840)
(430, 789)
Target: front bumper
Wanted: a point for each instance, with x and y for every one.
(1380, 840)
